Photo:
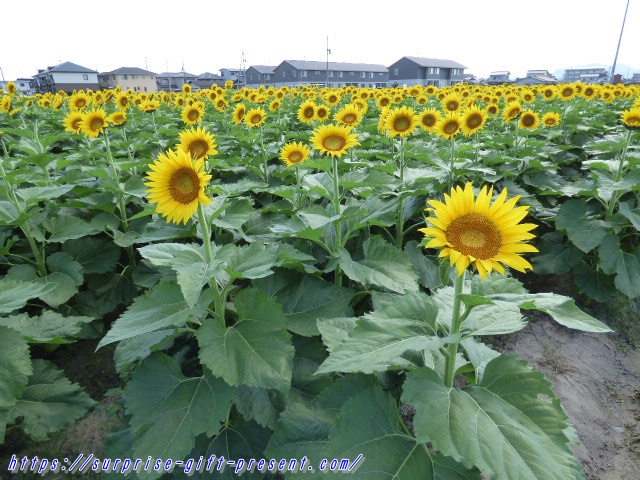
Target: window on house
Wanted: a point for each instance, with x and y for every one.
(85, 77)
(363, 74)
(371, 75)
(331, 74)
(125, 77)
(303, 73)
(283, 74)
(145, 89)
(340, 74)
(395, 71)
(293, 74)
(352, 73)
(267, 76)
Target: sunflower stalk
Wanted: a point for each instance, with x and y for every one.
(400, 219)
(26, 229)
(452, 162)
(336, 207)
(264, 157)
(456, 323)
(618, 176)
(220, 297)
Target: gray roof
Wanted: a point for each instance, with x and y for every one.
(337, 66)
(208, 76)
(131, 70)
(68, 67)
(435, 62)
(500, 72)
(176, 75)
(263, 68)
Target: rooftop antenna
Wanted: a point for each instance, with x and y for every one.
(615, 60)
(328, 53)
(241, 72)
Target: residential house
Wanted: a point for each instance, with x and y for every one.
(332, 74)
(537, 77)
(129, 78)
(207, 80)
(586, 75)
(236, 75)
(499, 77)
(425, 71)
(25, 86)
(257, 75)
(539, 73)
(174, 81)
(66, 77)
(635, 78)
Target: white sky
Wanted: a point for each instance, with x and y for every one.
(483, 35)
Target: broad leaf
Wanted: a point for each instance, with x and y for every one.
(305, 299)
(161, 307)
(585, 233)
(140, 347)
(50, 327)
(379, 339)
(15, 366)
(63, 228)
(168, 410)
(15, 294)
(258, 404)
(502, 425)
(95, 255)
(383, 266)
(50, 401)
(255, 351)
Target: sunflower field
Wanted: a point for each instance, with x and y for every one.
(308, 273)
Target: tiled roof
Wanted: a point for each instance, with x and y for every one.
(68, 67)
(265, 68)
(176, 75)
(337, 66)
(208, 76)
(128, 70)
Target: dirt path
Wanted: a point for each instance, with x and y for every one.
(598, 381)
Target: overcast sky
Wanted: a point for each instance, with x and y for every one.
(205, 36)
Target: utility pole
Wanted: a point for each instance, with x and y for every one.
(3, 80)
(328, 53)
(615, 60)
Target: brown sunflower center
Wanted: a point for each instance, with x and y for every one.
(193, 115)
(80, 102)
(550, 121)
(474, 120)
(528, 120)
(96, 124)
(295, 157)
(450, 127)
(633, 120)
(308, 112)
(384, 102)
(184, 186)
(350, 118)
(567, 92)
(452, 105)
(588, 92)
(198, 148)
(474, 234)
(401, 124)
(256, 118)
(514, 112)
(429, 120)
(334, 143)
(76, 124)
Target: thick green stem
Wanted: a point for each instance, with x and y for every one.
(26, 229)
(618, 176)
(337, 212)
(456, 322)
(452, 161)
(206, 240)
(298, 195)
(264, 158)
(400, 219)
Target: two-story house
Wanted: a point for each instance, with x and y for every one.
(499, 77)
(129, 78)
(174, 81)
(65, 77)
(257, 75)
(207, 80)
(586, 75)
(425, 71)
(332, 74)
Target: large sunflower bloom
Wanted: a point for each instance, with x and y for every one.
(198, 143)
(631, 118)
(79, 100)
(176, 184)
(238, 113)
(193, 114)
(473, 119)
(401, 121)
(449, 126)
(429, 119)
(512, 111)
(334, 140)
(307, 111)
(472, 231)
(72, 122)
(451, 102)
(93, 122)
(255, 117)
(349, 115)
(529, 120)
(550, 119)
(293, 153)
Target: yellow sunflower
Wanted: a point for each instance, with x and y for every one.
(472, 231)
(473, 119)
(117, 118)
(429, 119)
(567, 91)
(93, 122)
(122, 101)
(5, 104)
(193, 114)
(384, 101)
(238, 113)
(198, 143)
(401, 121)
(176, 183)
(550, 119)
(590, 91)
(79, 100)
(255, 117)
(493, 109)
(452, 102)
(529, 120)
(512, 111)
(12, 88)
(334, 140)
(275, 105)
(631, 118)
(527, 95)
(149, 105)
(332, 98)
(72, 122)
(549, 92)
(322, 113)
(449, 125)
(293, 153)
(307, 111)
(349, 115)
